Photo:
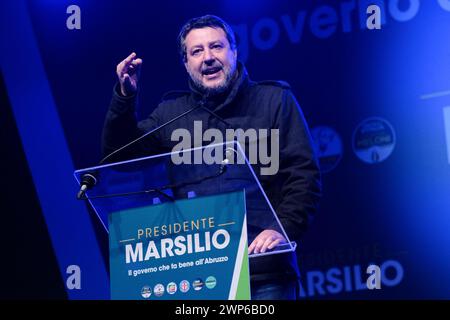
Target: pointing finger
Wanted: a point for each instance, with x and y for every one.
(130, 58)
(122, 67)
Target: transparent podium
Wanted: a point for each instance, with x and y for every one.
(174, 188)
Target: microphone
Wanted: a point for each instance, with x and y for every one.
(199, 105)
(223, 167)
(89, 180)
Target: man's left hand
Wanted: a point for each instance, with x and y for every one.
(268, 239)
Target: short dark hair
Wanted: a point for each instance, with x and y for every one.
(203, 22)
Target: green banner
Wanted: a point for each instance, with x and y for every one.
(183, 250)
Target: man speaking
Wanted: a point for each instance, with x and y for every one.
(208, 51)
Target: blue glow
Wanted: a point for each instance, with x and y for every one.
(49, 159)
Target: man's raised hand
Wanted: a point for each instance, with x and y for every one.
(128, 72)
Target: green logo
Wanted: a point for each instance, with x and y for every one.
(210, 282)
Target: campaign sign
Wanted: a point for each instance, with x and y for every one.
(183, 250)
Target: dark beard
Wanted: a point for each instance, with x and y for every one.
(217, 91)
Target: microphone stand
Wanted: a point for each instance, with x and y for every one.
(89, 179)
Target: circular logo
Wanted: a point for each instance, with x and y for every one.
(171, 288)
(210, 282)
(373, 140)
(197, 284)
(158, 290)
(146, 292)
(184, 286)
(328, 147)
